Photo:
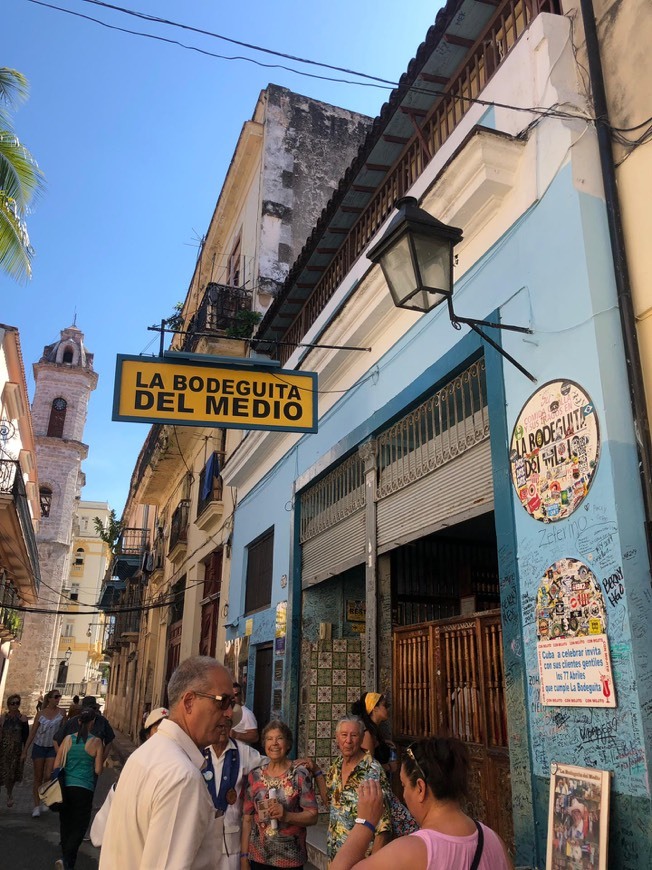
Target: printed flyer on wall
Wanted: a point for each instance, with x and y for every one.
(578, 818)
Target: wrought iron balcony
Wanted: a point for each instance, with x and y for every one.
(217, 313)
(11, 621)
(209, 499)
(129, 553)
(17, 537)
(179, 530)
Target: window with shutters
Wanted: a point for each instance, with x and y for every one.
(57, 418)
(260, 555)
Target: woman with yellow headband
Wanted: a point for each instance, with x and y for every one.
(373, 709)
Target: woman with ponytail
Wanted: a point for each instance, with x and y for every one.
(80, 755)
(373, 709)
(434, 778)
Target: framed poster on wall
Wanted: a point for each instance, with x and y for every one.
(578, 818)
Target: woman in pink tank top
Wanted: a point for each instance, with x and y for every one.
(434, 777)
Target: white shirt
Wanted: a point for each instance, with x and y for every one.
(162, 815)
(247, 722)
(250, 758)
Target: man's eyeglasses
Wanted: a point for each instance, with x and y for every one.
(412, 757)
(222, 701)
(56, 697)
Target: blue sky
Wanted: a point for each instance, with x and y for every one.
(134, 137)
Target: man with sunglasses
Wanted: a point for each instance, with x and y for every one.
(162, 814)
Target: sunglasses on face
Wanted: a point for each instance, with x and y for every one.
(222, 701)
(13, 704)
(55, 697)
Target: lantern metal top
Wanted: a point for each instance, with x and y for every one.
(410, 216)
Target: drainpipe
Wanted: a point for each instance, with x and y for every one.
(623, 285)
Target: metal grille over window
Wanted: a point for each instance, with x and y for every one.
(337, 496)
(437, 431)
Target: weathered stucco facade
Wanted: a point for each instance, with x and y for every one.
(287, 162)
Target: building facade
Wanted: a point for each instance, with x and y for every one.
(64, 379)
(75, 667)
(19, 502)
(468, 519)
(174, 551)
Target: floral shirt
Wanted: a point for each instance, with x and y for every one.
(285, 846)
(344, 801)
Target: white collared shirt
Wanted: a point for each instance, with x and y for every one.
(162, 814)
(250, 758)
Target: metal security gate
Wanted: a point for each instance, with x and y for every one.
(333, 523)
(434, 464)
(449, 679)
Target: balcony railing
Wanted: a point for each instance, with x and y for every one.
(179, 526)
(12, 483)
(210, 491)
(132, 542)
(129, 553)
(11, 621)
(217, 312)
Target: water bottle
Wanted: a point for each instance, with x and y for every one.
(272, 796)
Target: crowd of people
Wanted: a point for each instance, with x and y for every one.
(199, 795)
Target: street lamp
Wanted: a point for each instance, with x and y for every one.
(67, 655)
(416, 256)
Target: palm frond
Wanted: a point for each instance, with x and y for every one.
(15, 250)
(20, 177)
(14, 87)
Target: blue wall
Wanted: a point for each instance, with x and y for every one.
(551, 271)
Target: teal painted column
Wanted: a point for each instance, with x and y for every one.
(516, 694)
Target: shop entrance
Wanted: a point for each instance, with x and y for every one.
(447, 636)
(263, 685)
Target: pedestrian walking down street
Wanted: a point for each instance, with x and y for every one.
(44, 752)
(162, 814)
(100, 728)
(228, 763)
(14, 730)
(338, 788)
(434, 777)
(80, 757)
(75, 708)
(150, 728)
(279, 805)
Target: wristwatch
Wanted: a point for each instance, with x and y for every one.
(367, 824)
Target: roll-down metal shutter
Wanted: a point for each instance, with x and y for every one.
(334, 551)
(333, 523)
(459, 490)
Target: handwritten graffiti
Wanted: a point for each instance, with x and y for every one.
(613, 587)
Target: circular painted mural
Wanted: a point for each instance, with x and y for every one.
(554, 450)
(569, 602)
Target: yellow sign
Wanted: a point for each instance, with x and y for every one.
(249, 627)
(192, 392)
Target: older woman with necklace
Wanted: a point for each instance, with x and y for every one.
(279, 805)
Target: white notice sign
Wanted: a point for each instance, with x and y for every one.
(576, 672)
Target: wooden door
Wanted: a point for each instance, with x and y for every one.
(462, 659)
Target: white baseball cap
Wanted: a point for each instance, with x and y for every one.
(156, 716)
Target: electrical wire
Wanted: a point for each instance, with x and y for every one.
(389, 86)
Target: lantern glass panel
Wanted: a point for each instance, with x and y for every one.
(397, 267)
(434, 261)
